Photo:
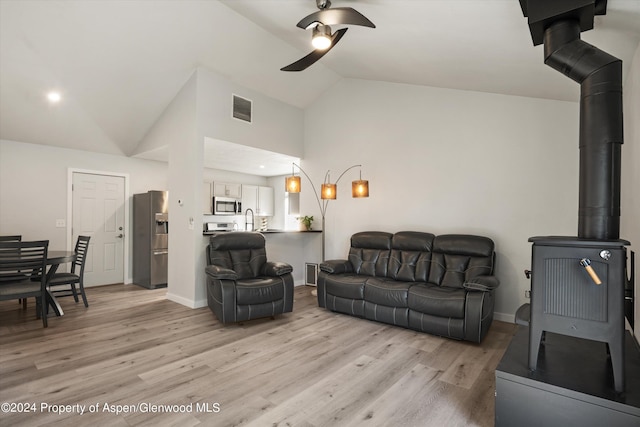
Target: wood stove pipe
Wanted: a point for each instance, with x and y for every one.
(601, 134)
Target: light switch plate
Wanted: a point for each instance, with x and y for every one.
(60, 223)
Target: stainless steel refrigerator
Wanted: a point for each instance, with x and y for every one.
(150, 238)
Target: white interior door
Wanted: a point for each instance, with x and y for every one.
(98, 211)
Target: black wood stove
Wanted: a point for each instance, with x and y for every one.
(577, 289)
(578, 283)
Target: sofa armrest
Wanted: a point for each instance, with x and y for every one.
(221, 273)
(275, 268)
(336, 266)
(482, 283)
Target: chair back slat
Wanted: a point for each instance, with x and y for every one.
(81, 249)
(21, 256)
(16, 258)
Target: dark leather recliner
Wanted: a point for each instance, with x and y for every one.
(443, 285)
(241, 283)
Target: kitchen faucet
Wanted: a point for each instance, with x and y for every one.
(246, 223)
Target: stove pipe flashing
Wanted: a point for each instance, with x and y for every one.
(557, 24)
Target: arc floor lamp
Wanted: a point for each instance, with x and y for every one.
(328, 191)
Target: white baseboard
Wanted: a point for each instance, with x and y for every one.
(185, 301)
(504, 317)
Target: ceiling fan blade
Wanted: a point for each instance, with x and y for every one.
(311, 58)
(336, 16)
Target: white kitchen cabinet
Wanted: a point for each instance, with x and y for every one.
(227, 189)
(207, 201)
(257, 198)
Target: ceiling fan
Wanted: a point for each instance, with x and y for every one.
(322, 39)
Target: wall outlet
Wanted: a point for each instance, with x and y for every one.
(60, 223)
(527, 294)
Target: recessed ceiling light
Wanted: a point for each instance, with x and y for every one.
(54, 97)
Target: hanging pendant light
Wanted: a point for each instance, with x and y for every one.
(360, 187)
(329, 191)
(292, 183)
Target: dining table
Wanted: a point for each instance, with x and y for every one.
(54, 259)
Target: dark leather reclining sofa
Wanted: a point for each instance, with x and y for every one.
(442, 285)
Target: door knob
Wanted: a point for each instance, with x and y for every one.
(120, 235)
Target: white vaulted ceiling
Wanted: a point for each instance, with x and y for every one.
(120, 63)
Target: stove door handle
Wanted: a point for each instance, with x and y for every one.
(586, 263)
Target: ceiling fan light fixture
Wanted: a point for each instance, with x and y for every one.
(312, 25)
(54, 97)
(321, 38)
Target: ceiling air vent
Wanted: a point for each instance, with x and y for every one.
(242, 108)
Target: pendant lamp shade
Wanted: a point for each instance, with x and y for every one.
(292, 184)
(360, 188)
(328, 191)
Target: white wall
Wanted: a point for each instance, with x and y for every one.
(447, 161)
(275, 126)
(203, 109)
(31, 207)
(630, 206)
(438, 160)
(33, 186)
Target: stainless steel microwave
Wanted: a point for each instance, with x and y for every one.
(226, 206)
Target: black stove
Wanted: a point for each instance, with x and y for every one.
(577, 289)
(578, 283)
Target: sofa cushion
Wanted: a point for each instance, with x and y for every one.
(387, 292)
(345, 305)
(369, 253)
(259, 290)
(409, 266)
(382, 313)
(458, 258)
(242, 252)
(369, 262)
(443, 326)
(371, 240)
(437, 301)
(254, 311)
(345, 286)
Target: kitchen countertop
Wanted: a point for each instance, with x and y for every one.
(268, 231)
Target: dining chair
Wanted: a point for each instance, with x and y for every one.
(75, 277)
(15, 238)
(15, 259)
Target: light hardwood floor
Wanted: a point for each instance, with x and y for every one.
(311, 367)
